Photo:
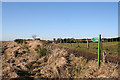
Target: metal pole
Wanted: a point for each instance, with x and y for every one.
(99, 41)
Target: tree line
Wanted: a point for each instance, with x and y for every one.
(68, 40)
(72, 40)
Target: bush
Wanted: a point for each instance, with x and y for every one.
(25, 42)
(43, 52)
(29, 40)
(19, 41)
(37, 39)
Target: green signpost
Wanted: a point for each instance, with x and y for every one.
(95, 39)
(99, 50)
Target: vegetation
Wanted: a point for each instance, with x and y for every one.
(109, 47)
(67, 40)
(41, 51)
(37, 39)
(19, 41)
(72, 40)
(65, 64)
(34, 36)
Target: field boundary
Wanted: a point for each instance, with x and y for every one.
(88, 55)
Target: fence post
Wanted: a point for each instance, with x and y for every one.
(99, 51)
(87, 43)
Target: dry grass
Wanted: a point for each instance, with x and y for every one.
(57, 63)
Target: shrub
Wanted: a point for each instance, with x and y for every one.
(78, 69)
(37, 39)
(41, 51)
(38, 46)
(19, 41)
(29, 40)
(25, 42)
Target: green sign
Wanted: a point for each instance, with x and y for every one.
(95, 39)
(98, 39)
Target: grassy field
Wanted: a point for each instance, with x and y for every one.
(109, 47)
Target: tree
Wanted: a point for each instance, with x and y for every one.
(58, 40)
(34, 36)
(65, 40)
(54, 40)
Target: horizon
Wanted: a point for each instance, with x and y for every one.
(50, 20)
(63, 38)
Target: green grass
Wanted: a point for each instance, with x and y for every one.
(109, 47)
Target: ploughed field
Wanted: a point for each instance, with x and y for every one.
(37, 59)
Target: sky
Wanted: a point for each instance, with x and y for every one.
(60, 0)
(50, 20)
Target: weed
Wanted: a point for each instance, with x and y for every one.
(41, 51)
(78, 69)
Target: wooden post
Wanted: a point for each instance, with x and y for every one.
(87, 43)
(71, 44)
(101, 45)
(104, 57)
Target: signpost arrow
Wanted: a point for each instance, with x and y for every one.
(95, 39)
